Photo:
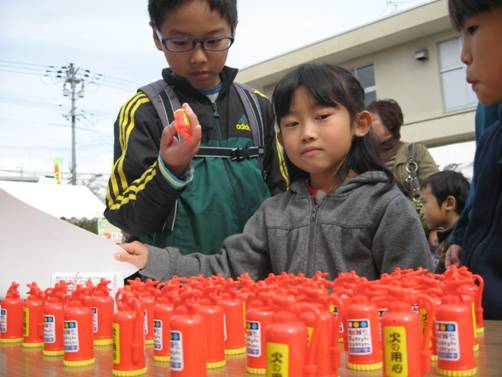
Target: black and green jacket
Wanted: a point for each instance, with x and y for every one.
(223, 194)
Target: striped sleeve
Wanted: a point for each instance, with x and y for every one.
(120, 191)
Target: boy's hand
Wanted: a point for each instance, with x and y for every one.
(177, 154)
(136, 254)
(453, 256)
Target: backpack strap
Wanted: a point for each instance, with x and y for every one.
(165, 101)
(252, 108)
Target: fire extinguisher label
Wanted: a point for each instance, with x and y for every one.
(116, 343)
(176, 350)
(448, 346)
(49, 328)
(277, 360)
(26, 322)
(95, 323)
(3, 320)
(395, 351)
(359, 337)
(157, 335)
(253, 338)
(71, 336)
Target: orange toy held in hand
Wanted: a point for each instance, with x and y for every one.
(182, 124)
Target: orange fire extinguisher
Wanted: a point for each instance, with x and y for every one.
(33, 325)
(11, 316)
(128, 335)
(406, 347)
(102, 314)
(235, 327)
(364, 346)
(289, 352)
(454, 338)
(162, 313)
(257, 320)
(476, 285)
(146, 293)
(463, 288)
(78, 335)
(326, 323)
(188, 351)
(215, 331)
(54, 321)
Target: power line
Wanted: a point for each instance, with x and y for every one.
(49, 124)
(52, 71)
(34, 102)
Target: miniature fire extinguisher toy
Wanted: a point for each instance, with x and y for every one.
(11, 316)
(188, 352)
(162, 312)
(102, 314)
(78, 335)
(455, 338)
(182, 124)
(33, 328)
(406, 347)
(364, 346)
(54, 320)
(128, 335)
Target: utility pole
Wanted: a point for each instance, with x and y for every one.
(74, 80)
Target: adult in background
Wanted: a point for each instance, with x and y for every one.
(410, 163)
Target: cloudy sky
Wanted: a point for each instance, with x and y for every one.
(112, 38)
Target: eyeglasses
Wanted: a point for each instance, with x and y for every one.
(185, 44)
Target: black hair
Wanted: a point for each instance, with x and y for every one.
(159, 9)
(448, 183)
(390, 113)
(459, 10)
(331, 85)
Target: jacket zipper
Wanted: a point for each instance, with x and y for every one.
(312, 231)
(216, 123)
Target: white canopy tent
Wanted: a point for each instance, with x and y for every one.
(57, 200)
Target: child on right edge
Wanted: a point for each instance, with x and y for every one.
(480, 24)
(343, 211)
(443, 196)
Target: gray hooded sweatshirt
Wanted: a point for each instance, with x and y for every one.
(360, 226)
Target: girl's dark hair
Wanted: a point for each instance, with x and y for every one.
(390, 113)
(159, 9)
(448, 183)
(330, 85)
(461, 9)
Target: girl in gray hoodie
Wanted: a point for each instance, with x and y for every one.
(342, 211)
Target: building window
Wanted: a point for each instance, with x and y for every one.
(457, 93)
(366, 76)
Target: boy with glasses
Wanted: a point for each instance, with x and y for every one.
(192, 194)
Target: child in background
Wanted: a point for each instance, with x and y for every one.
(443, 196)
(480, 23)
(343, 211)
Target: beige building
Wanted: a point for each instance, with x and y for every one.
(413, 57)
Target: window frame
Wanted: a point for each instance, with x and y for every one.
(444, 69)
(368, 89)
